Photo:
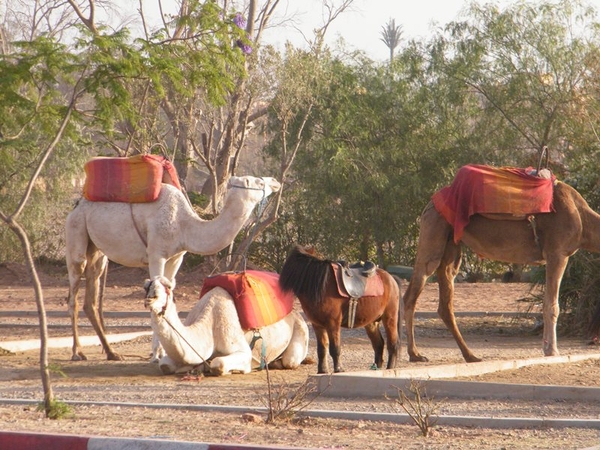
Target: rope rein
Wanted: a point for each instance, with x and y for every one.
(260, 209)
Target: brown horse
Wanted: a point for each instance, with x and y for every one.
(314, 283)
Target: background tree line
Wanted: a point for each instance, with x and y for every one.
(360, 145)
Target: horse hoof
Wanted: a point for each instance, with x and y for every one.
(79, 357)
(418, 358)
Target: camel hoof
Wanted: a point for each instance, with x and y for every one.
(418, 358)
(167, 369)
(473, 359)
(79, 357)
(114, 357)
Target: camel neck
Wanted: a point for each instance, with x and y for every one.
(209, 237)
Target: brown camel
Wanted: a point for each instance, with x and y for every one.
(572, 226)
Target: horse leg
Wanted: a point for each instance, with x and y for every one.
(335, 347)
(434, 235)
(376, 338)
(555, 268)
(446, 273)
(322, 344)
(93, 271)
(392, 322)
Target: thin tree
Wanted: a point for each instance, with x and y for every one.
(391, 34)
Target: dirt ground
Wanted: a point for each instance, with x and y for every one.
(138, 386)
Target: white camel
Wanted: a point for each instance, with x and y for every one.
(155, 234)
(212, 334)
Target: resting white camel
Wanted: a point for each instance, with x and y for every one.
(212, 332)
(156, 235)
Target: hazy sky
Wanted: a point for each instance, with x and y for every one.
(361, 27)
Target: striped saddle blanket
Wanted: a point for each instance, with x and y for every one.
(257, 296)
(136, 179)
(481, 189)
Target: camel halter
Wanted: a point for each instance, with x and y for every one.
(162, 316)
(260, 208)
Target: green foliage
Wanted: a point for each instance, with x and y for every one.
(57, 410)
(117, 87)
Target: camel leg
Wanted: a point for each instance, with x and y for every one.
(322, 344)
(171, 267)
(295, 352)
(435, 234)
(167, 268)
(101, 296)
(74, 285)
(555, 268)
(93, 271)
(376, 338)
(446, 274)
(77, 242)
(240, 361)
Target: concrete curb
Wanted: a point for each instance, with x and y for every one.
(375, 383)
(39, 441)
(398, 418)
(61, 342)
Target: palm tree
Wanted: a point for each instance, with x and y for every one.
(391, 35)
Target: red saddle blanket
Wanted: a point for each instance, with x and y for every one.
(137, 179)
(373, 287)
(480, 189)
(257, 296)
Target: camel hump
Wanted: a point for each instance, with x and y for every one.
(135, 179)
(481, 189)
(257, 296)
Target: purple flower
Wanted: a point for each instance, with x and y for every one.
(246, 49)
(239, 21)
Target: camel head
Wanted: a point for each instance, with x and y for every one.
(263, 186)
(158, 294)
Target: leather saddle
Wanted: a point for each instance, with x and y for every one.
(354, 277)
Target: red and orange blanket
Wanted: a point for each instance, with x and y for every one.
(136, 179)
(480, 189)
(257, 296)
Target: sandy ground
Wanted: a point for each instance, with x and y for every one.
(136, 381)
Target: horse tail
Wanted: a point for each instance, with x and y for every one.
(400, 310)
(304, 275)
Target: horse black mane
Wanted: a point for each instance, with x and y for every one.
(305, 275)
